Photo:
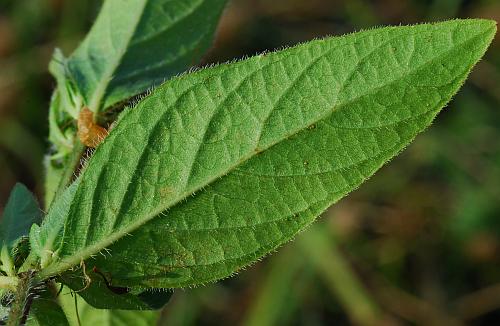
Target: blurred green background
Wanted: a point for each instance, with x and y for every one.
(419, 243)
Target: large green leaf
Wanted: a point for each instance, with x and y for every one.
(217, 168)
(135, 44)
(20, 212)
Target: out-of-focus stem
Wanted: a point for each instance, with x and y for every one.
(276, 296)
(322, 251)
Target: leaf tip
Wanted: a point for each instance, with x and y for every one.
(482, 31)
(20, 187)
(488, 26)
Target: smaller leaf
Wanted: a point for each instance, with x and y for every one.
(43, 240)
(63, 141)
(69, 102)
(47, 312)
(20, 252)
(99, 295)
(19, 214)
(156, 298)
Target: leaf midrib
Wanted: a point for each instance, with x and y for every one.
(227, 95)
(68, 262)
(308, 209)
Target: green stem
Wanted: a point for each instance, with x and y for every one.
(19, 309)
(70, 166)
(277, 296)
(323, 252)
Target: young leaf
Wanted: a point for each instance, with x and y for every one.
(64, 99)
(217, 168)
(20, 212)
(134, 45)
(44, 239)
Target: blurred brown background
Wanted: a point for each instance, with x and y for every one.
(419, 243)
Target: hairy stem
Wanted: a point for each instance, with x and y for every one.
(20, 307)
(71, 165)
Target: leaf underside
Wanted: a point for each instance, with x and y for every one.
(217, 168)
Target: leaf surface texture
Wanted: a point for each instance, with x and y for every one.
(217, 168)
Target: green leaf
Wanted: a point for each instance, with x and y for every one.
(64, 99)
(44, 239)
(136, 44)
(46, 312)
(20, 212)
(218, 168)
(91, 316)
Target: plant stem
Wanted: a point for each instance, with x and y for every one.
(322, 251)
(71, 164)
(277, 296)
(20, 307)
